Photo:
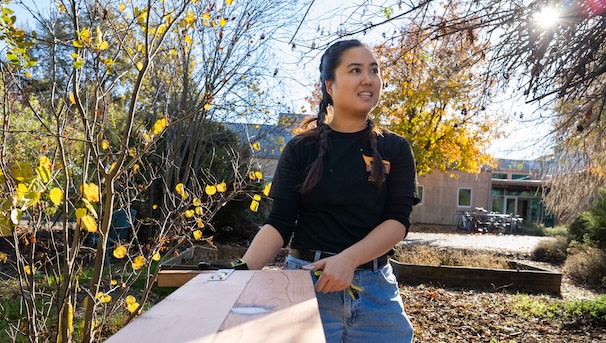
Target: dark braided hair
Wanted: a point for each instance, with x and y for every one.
(329, 62)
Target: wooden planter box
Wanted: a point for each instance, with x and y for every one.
(521, 277)
(176, 271)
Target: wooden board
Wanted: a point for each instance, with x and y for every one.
(273, 306)
(543, 280)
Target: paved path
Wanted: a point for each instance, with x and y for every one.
(498, 243)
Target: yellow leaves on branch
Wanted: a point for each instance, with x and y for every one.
(88, 223)
(180, 188)
(254, 205)
(27, 269)
(120, 251)
(189, 214)
(197, 235)
(103, 298)
(210, 190)
(90, 192)
(138, 262)
(21, 171)
(56, 196)
(255, 175)
(156, 257)
(131, 304)
(122, 7)
(197, 202)
(3, 257)
(256, 146)
(266, 189)
(159, 126)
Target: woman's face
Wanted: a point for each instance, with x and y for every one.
(357, 84)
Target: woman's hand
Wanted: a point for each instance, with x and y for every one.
(337, 273)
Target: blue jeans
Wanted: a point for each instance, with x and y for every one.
(377, 316)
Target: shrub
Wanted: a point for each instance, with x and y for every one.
(531, 306)
(556, 231)
(587, 265)
(590, 226)
(552, 251)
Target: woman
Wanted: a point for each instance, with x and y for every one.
(344, 191)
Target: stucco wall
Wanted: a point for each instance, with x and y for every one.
(440, 195)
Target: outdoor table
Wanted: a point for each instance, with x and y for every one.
(269, 306)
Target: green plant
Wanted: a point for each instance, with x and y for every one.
(556, 231)
(552, 251)
(542, 307)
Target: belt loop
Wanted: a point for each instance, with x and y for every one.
(375, 265)
(317, 256)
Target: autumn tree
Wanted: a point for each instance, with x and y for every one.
(433, 96)
(125, 96)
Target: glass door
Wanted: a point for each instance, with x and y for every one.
(511, 205)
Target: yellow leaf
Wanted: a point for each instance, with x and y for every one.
(156, 256)
(154, 206)
(257, 197)
(88, 223)
(114, 282)
(120, 251)
(256, 146)
(30, 199)
(258, 175)
(105, 144)
(159, 126)
(207, 106)
(103, 46)
(222, 187)
(136, 168)
(197, 202)
(228, 2)
(138, 262)
(199, 210)
(74, 55)
(139, 66)
(200, 223)
(44, 161)
(132, 152)
(222, 22)
(21, 171)
(27, 269)
(90, 208)
(180, 188)
(132, 307)
(189, 214)
(72, 98)
(130, 299)
(44, 173)
(21, 191)
(251, 175)
(3, 257)
(90, 192)
(188, 40)
(197, 235)
(80, 212)
(122, 7)
(210, 190)
(147, 137)
(2, 179)
(56, 196)
(103, 298)
(77, 43)
(266, 189)
(254, 206)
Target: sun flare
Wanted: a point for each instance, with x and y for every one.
(547, 17)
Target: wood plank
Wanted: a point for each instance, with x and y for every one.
(192, 314)
(288, 306)
(545, 281)
(177, 278)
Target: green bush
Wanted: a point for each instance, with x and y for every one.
(556, 231)
(586, 264)
(552, 251)
(590, 227)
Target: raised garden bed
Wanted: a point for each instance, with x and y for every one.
(521, 276)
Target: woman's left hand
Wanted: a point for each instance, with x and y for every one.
(337, 273)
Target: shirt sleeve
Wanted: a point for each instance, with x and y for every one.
(285, 192)
(401, 184)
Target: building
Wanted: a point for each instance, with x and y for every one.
(514, 187)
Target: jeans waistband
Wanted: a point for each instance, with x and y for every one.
(315, 255)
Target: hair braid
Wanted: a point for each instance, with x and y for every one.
(377, 174)
(316, 168)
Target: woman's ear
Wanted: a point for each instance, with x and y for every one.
(328, 85)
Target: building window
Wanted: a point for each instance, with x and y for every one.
(520, 177)
(420, 193)
(499, 176)
(464, 197)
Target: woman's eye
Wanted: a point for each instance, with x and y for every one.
(375, 71)
(355, 70)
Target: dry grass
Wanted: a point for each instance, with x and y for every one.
(435, 256)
